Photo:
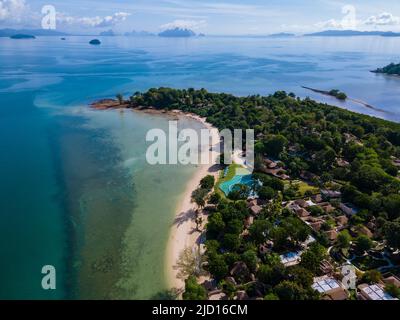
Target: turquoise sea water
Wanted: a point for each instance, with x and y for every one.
(75, 191)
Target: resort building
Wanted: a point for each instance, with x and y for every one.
(373, 292)
(330, 194)
(291, 258)
(330, 288)
(348, 209)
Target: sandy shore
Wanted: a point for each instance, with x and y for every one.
(183, 232)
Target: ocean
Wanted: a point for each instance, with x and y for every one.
(75, 189)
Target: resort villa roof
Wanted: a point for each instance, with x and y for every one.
(330, 194)
(392, 280)
(330, 287)
(348, 209)
(291, 258)
(374, 292)
(302, 203)
(342, 220)
(331, 234)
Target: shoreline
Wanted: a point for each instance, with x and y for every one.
(182, 232)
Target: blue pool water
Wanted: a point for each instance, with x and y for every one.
(229, 186)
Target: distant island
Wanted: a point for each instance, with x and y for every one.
(22, 36)
(95, 42)
(108, 33)
(352, 33)
(135, 33)
(391, 69)
(177, 33)
(282, 35)
(33, 32)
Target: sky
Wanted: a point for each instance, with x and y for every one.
(226, 17)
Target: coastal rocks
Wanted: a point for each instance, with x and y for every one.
(95, 42)
(105, 104)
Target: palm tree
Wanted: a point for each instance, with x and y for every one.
(120, 98)
(198, 197)
(199, 223)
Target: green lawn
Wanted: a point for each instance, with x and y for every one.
(303, 187)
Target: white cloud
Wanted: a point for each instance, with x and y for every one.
(184, 24)
(95, 22)
(349, 20)
(383, 19)
(12, 10)
(332, 24)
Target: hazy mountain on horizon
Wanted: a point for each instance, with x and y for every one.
(352, 33)
(107, 33)
(135, 33)
(34, 32)
(177, 33)
(282, 35)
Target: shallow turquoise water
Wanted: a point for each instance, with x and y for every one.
(75, 192)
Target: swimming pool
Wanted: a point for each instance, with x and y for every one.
(228, 186)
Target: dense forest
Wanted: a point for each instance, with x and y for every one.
(305, 136)
(391, 69)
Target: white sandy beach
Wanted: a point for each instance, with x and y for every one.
(183, 232)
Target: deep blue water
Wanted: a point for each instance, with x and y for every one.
(48, 153)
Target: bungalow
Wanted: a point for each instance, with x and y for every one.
(373, 292)
(302, 213)
(330, 288)
(255, 210)
(302, 203)
(342, 163)
(393, 280)
(342, 220)
(326, 267)
(316, 225)
(331, 234)
(297, 209)
(364, 231)
(327, 207)
(317, 198)
(277, 172)
(217, 295)
(330, 194)
(348, 209)
(241, 295)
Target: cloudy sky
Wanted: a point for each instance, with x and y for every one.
(208, 16)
